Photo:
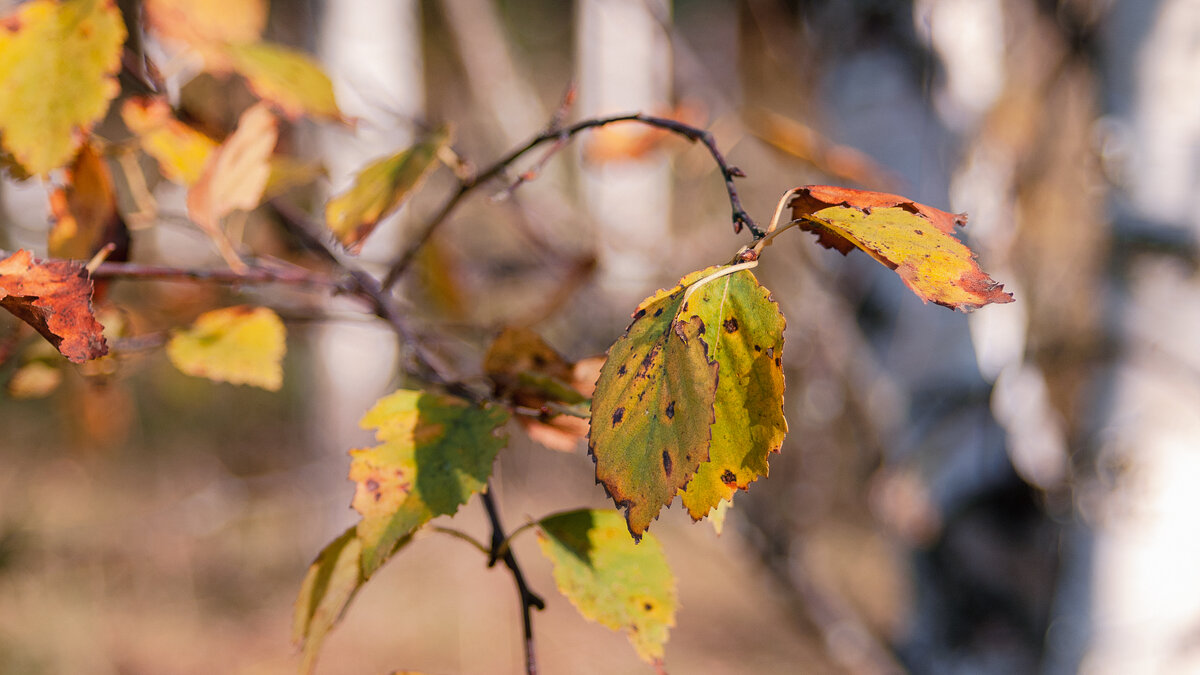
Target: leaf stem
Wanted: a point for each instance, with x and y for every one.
(459, 534)
(559, 137)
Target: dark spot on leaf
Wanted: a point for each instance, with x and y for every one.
(639, 314)
(658, 311)
(671, 410)
(701, 330)
(617, 415)
(778, 361)
(918, 232)
(731, 325)
(373, 486)
(757, 348)
(648, 607)
(728, 477)
(770, 352)
(667, 462)
(621, 370)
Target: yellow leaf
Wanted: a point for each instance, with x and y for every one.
(234, 177)
(914, 240)
(379, 189)
(288, 78)
(36, 379)
(57, 62)
(180, 150)
(201, 22)
(239, 345)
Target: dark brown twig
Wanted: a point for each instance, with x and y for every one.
(528, 599)
(466, 185)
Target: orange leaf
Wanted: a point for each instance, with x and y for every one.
(199, 23)
(55, 297)
(85, 211)
(235, 175)
(916, 241)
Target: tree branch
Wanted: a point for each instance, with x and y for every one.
(559, 136)
(254, 275)
(528, 599)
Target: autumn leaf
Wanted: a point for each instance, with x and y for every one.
(526, 371)
(181, 151)
(746, 340)
(238, 345)
(915, 240)
(199, 23)
(55, 297)
(653, 407)
(381, 188)
(285, 77)
(331, 583)
(57, 66)
(35, 379)
(234, 177)
(85, 211)
(435, 452)
(610, 579)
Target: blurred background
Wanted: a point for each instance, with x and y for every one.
(1012, 491)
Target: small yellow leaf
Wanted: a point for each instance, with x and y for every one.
(381, 188)
(331, 583)
(288, 78)
(201, 22)
(180, 150)
(36, 379)
(57, 62)
(239, 345)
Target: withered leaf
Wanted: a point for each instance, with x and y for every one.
(55, 297)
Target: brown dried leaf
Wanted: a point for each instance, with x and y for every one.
(55, 297)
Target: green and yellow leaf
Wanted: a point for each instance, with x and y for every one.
(180, 150)
(239, 345)
(285, 77)
(58, 62)
(380, 189)
(435, 452)
(916, 241)
(610, 579)
(653, 406)
(746, 340)
(331, 583)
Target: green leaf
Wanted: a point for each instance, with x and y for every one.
(57, 66)
(611, 580)
(381, 188)
(746, 341)
(239, 345)
(653, 407)
(288, 78)
(436, 452)
(332, 580)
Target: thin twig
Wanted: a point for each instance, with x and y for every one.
(465, 186)
(529, 600)
(253, 275)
